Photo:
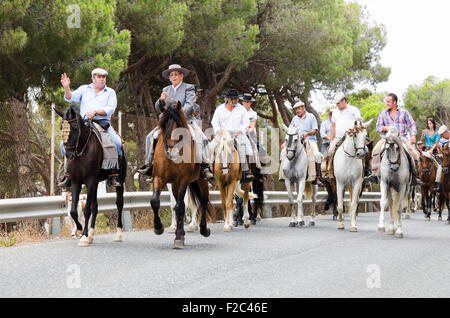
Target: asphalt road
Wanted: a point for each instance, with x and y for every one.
(266, 260)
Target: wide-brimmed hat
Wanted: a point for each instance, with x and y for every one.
(175, 67)
(442, 129)
(232, 93)
(99, 71)
(338, 98)
(296, 105)
(247, 98)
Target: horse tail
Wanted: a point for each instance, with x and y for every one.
(200, 197)
(123, 168)
(308, 191)
(240, 193)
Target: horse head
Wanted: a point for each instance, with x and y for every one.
(173, 118)
(445, 159)
(358, 136)
(393, 148)
(292, 145)
(426, 164)
(225, 150)
(71, 131)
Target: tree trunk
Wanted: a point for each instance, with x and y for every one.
(22, 148)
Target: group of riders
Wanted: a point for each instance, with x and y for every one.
(98, 103)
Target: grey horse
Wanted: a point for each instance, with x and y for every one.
(295, 171)
(395, 181)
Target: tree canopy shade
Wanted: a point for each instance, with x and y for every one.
(42, 39)
(430, 99)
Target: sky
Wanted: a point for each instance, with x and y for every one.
(418, 41)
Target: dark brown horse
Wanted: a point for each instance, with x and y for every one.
(427, 169)
(444, 194)
(85, 155)
(184, 173)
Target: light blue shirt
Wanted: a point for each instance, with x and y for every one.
(325, 130)
(105, 100)
(306, 124)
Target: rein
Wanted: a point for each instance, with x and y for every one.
(352, 133)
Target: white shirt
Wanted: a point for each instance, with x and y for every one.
(252, 115)
(345, 119)
(175, 88)
(237, 119)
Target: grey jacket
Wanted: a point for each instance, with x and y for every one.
(185, 94)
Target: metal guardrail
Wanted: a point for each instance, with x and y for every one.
(13, 210)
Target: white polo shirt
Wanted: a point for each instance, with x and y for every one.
(345, 119)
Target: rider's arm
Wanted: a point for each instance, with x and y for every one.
(188, 107)
(75, 96)
(332, 130)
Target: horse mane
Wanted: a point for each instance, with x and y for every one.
(172, 113)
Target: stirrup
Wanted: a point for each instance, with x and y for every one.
(146, 170)
(247, 177)
(65, 182)
(371, 178)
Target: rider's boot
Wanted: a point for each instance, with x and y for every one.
(113, 179)
(205, 170)
(65, 182)
(147, 169)
(318, 181)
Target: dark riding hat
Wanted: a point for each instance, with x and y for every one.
(248, 98)
(232, 93)
(175, 67)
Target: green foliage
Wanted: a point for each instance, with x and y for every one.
(8, 241)
(431, 99)
(102, 223)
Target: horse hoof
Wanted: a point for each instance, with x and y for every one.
(312, 224)
(178, 244)
(118, 238)
(334, 218)
(399, 235)
(253, 222)
(381, 229)
(227, 228)
(235, 224)
(341, 227)
(90, 239)
(207, 233)
(258, 218)
(246, 226)
(292, 224)
(391, 233)
(439, 218)
(301, 223)
(172, 229)
(192, 228)
(83, 241)
(407, 217)
(353, 229)
(74, 237)
(159, 231)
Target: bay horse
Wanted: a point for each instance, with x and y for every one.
(295, 169)
(395, 183)
(444, 194)
(85, 155)
(228, 172)
(174, 163)
(427, 169)
(348, 171)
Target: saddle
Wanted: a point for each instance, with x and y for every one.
(329, 160)
(110, 156)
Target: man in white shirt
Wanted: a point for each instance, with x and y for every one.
(325, 132)
(232, 116)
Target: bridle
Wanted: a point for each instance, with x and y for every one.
(75, 148)
(294, 147)
(352, 133)
(394, 165)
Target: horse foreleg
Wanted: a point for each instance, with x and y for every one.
(173, 202)
(245, 205)
(288, 185)
(398, 213)
(75, 190)
(193, 226)
(94, 211)
(229, 206)
(119, 205)
(429, 200)
(158, 228)
(340, 201)
(393, 211)
(314, 199)
(223, 198)
(354, 199)
(300, 215)
(204, 199)
(84, 241)
(179, 193)
(383, 203)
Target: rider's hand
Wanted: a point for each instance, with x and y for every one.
(91, 115)
(164, 95)
(283, 145)
(385, 129)
(413, 140)
(65, 80)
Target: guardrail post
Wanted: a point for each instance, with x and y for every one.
(55, 228)
(127, 222)
(267, 211)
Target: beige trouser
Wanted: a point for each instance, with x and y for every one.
(376, 158)
(313, 155)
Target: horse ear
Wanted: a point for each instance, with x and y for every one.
(179, 106)
(60, 113)
(365, 125)
(285, 128)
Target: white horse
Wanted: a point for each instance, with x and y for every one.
(395, 178)
(295, 170)
(348, 170)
